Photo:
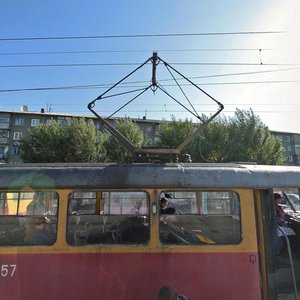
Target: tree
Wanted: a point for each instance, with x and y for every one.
(73, 141)
(242, 138)
(115, 150)
(250, 140)
(210, 145)
(173, 133)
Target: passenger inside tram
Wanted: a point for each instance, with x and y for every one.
(38, 232)
(282, 220)
(164, 209)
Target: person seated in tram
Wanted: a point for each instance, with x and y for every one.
(282, 221)
(164, 209)
(38, 232)
(281, 216)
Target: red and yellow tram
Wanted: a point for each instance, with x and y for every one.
(85, 231)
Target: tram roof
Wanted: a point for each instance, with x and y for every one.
(179, 175)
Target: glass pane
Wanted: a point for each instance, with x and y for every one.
(121, 218)
(200, 217)
(286, 239)
(82, 203)
(28, 218)
(123, 203)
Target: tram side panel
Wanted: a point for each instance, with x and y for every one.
(116, 247)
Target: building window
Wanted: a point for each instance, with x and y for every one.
(15, 149)
(4, 133)
(19, 121)
(289, 148)
(148, 128)
(18, 135)
(35, 122)
(287, 138)
(297, 149)
(156, 130)
(4, 120)
(62, 120)
(290, 158)
(97, 125)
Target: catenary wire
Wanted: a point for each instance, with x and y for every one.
(137, 64)
(140, 35)
(141, 81)
(134, 51)
(139, 86)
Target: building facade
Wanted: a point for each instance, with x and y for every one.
(291, 144)
(13, 125)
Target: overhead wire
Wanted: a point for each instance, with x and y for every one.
(104, 85)
(131, 64)
(139, 35)
(139, 87)
(133, 51)
(137, 64)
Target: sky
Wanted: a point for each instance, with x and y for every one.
(62, 55)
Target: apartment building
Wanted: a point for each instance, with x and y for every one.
(291, 144)
(13, 125)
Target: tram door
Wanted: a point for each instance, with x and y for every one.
(278, 219)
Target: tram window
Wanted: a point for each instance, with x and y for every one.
(83, 203)
(285, 239)
(200, 217)
(108, 217)
(290, 200)
(20, 214)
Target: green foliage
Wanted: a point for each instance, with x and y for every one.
(209, 146)
(252, 141)
(241, 138)
(115, 150)
(173, 133)
(74, 141)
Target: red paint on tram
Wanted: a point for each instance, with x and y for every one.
(131, 276)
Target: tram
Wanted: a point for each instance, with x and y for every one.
(98, 231)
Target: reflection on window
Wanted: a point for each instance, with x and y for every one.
(28, 218)
(200, 217)
(108, 218)
(290, 201)
(286, 239)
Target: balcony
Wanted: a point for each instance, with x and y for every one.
(4, 141)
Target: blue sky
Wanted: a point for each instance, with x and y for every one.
(239, 74)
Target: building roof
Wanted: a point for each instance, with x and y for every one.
(62, 114)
